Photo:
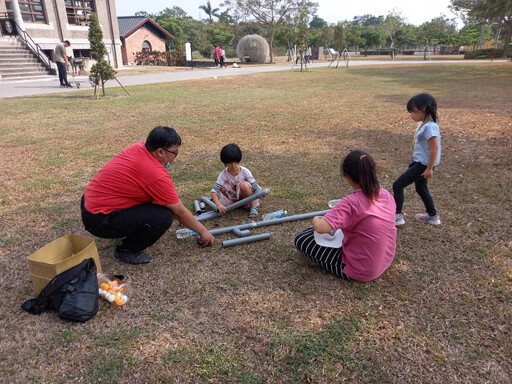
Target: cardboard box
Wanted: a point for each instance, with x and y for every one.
(58, 256)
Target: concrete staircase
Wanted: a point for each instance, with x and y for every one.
(17, 62)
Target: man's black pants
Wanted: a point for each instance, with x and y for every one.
(139, 226)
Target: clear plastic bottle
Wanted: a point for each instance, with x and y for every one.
(274, 215)
(184, 232)
(332, 203)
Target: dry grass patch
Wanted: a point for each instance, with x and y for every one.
(251, 313)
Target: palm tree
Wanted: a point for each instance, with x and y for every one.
(209, 11)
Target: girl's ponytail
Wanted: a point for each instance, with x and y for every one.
(361, 168)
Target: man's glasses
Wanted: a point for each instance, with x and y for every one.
(173, 152)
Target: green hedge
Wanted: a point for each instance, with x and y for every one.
(377, 52)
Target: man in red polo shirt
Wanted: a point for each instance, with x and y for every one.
(133, 197)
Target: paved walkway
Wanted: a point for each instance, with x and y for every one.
(22, 88)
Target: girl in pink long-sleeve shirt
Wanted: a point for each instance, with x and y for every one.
(366, 218)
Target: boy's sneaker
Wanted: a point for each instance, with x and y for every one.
(399, 219)
(426, 218)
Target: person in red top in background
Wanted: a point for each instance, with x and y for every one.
(133, 197)
(216, 54)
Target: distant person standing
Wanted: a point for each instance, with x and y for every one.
(307, 56)
(61, 59)
(222, 57)
(216, 54)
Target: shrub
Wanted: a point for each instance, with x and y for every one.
(177, 58)
(377, 52)
(151, 58)
(230, 52)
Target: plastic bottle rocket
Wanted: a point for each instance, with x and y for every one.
(274, 215)
(332, 203)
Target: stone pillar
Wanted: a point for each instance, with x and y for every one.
(188, 51)
(17, 14)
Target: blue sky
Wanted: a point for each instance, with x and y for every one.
(332, 11)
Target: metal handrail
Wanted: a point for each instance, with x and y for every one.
(33, 46)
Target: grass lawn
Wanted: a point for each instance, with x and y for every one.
(252, 313)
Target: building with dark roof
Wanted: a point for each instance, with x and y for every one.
(140, 33)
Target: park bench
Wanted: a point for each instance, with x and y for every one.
(493, 56)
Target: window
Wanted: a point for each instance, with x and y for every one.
(31, 10)
(79, 11)
(146, 46)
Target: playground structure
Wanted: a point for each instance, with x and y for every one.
(345, 55)
(242, 231)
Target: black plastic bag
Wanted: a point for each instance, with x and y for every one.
(73, 294)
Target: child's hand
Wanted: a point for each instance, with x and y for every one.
(428, 173)
(221, 208)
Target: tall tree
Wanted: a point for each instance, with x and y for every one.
(171, 13)
(470, 35)
(272, 13)
(102, 71)
(339, 37)
(354, 38)
(391, 25)
(371, 37)
(368, 20)
(483, 11)
(440, 30)
(317, 23)
(207, 8)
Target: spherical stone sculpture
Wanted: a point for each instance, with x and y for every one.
(252, 48)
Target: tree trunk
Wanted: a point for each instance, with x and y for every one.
(271, 44)
(481, 44)
(507, 40)
(497, 38)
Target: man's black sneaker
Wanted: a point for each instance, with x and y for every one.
(69, 85)
(132, 257)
